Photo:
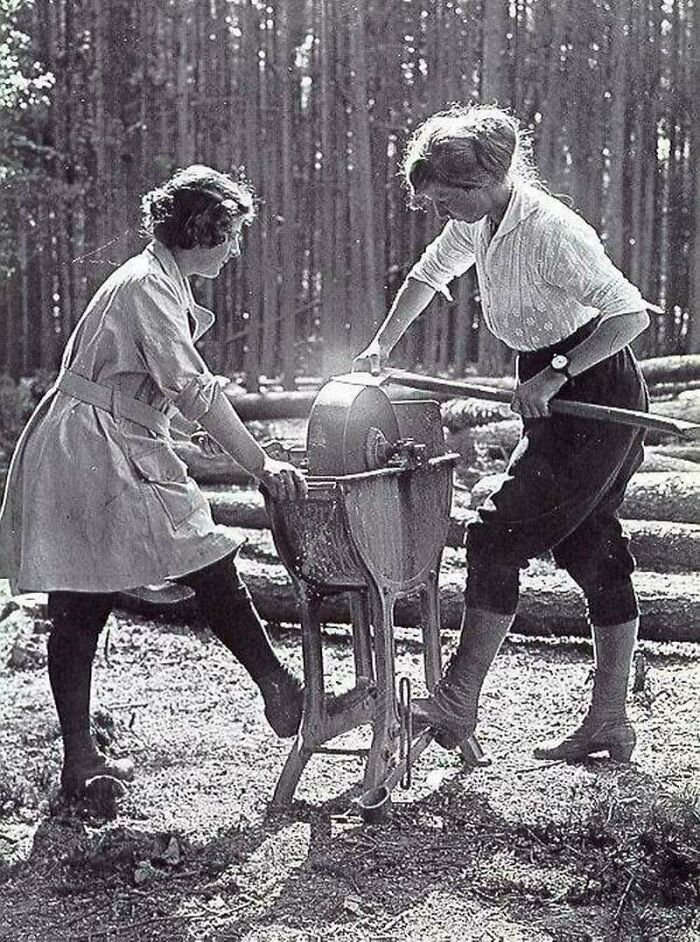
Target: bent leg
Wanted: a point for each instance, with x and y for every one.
(559, 475)
(225, 602)
(452, 708)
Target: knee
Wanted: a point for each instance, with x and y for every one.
(607, 587)
(612, 603)
(493, 571)
(221, 594)
(492, 587)
(219, 578)
(76, 622)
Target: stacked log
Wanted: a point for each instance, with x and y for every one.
(550, 604)
(667, 552)
(673, 369)
(661, 515)
(669, 496)
(657, 544)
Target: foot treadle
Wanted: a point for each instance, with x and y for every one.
(472, 753)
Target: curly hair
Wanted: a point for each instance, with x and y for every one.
(196, 207)
(467, 145)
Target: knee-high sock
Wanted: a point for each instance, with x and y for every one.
(614, 648)
(225, 603)
(482, 635)
(77, 619)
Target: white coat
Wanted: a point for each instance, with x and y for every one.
(95, 501)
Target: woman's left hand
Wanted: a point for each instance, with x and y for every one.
(531, 399)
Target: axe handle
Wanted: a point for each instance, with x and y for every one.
(689, 431)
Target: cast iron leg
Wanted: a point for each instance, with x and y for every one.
(385, 732)
(430, 624)
(361, 640)
(314, 698)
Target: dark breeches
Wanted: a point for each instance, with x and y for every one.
(565, 482)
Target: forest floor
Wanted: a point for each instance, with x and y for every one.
(521, 851)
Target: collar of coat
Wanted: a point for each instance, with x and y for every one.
(202, 317)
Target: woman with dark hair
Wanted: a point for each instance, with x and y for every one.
(97, 500)
(549, 291)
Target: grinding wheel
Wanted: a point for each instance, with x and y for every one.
(346, 423)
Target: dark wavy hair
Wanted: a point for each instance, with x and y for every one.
(196, 208)
(467, 145)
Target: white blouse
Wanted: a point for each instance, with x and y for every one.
(542, 275)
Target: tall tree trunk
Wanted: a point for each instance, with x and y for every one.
(287, 292)
(616, 211)
(368, 292)
(492, 353)
(694, 247)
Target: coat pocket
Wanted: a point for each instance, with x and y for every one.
(163, 472)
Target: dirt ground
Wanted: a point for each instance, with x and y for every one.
(522, 850)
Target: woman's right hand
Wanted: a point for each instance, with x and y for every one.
(283, 481)
(371, 359)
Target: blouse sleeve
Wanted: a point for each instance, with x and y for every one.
(446, 257)
(165, 342)
(575, 260)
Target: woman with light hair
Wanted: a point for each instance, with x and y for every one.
(550, 292)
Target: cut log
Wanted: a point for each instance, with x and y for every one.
(650, 495)
(685, 406)
(664, 546)
(686, 451)
(500, 438)
(657, 545)
(668, 390)
(273, 405)
(461, 413)
(658, 461)
(238, 507)
(550, 603)
(467, 413)
(673, 369)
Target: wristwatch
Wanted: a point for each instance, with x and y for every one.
(560, 363)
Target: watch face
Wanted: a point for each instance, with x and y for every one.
(560, 362)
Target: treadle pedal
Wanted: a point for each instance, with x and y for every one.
(363, 690)
(472, 753)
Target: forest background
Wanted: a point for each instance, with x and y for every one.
(102, 99)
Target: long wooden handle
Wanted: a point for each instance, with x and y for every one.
(689, 431)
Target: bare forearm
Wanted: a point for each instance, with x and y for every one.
(412, 299)
(607, 339)
(532, 397)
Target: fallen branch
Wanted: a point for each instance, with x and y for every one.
(671, 369)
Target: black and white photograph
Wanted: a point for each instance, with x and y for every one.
(349, 471)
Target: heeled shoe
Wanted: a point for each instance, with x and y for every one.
(77, 773)
(616, 737)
